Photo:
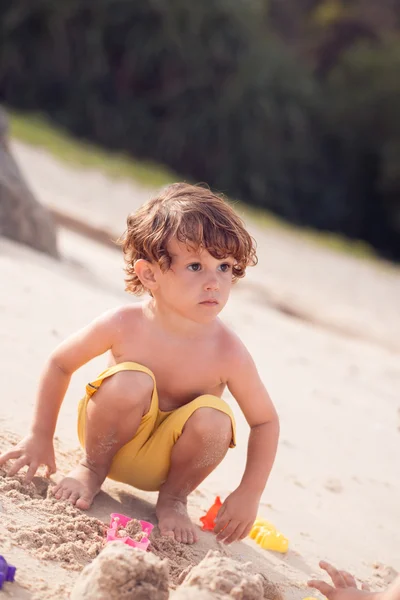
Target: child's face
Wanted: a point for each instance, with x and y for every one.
(196, 285)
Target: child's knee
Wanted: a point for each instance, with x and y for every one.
(125, 391)
(212, 423)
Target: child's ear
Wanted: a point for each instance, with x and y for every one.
(145, 271)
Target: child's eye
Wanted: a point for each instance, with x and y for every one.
(225, 267)
(194, 267)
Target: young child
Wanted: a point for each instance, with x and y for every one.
(155, 418)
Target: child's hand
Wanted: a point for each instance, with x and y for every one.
(32, 451)
(236, 517)
(345, 586)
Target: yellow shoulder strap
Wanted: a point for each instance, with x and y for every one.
(124, 366)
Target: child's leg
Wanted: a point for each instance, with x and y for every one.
(113, 416)
(204, 441)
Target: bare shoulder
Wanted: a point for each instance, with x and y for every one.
(116, 321)
(126, 313)
(102, 334)
(233, 351)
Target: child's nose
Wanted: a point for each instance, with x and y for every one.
(211, 284)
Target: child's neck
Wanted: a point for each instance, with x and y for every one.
(173, 323)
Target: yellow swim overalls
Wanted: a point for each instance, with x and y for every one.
(144, 461)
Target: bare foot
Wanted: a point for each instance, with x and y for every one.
(173, 519)
(79, 487)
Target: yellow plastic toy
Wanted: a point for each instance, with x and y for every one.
(266, 536)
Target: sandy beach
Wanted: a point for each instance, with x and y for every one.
(324, 329)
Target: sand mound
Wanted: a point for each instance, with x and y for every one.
(224, 577)
(57, 531)
(181, 557)
(121, 572)
(270, 590)
(132, 529)
(65, 534)
(194, 594)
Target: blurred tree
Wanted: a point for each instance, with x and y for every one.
(364, 93)
(321, 30)
(200, 87)
(265, 100)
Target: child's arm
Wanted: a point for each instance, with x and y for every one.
(78, 349)
(239, 510)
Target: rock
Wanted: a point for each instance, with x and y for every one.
(22, 217)
(121, 572)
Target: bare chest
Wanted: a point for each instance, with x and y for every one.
(182, 371)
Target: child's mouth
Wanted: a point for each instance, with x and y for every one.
(209, 302)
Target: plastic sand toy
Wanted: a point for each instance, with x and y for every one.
(263, 532)
(7, 572)
(117, 521)
(209, 518)
(267, 537)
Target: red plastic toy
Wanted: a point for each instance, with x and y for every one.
(209, 518)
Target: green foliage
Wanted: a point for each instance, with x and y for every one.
(328, 12)
(364, 100)
(204, 91)
(264, 100)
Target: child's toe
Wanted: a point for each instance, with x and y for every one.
(190, 537)
(178, 534)
(184, 536)
(53, 490)
(84, 502)
(167, 532)
(66, 493)
(74, 497)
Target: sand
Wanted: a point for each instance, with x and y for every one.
(224, 578)
(193, 594)
(49, 529)
(133, 529)
(123, 573)
(181, 557)
(335, 381)
(337, 291)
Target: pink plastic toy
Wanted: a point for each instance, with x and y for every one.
(122, 520)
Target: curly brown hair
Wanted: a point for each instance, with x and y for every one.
(192, 214)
